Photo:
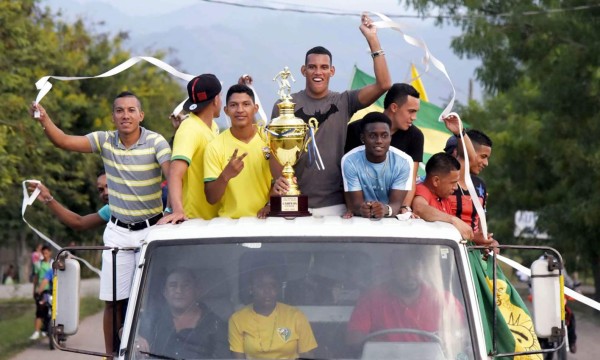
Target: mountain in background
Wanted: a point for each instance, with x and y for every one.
(230, 41)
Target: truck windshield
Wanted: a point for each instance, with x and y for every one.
(313, 298)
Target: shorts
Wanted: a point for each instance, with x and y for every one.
(116, 236)
(41, 307)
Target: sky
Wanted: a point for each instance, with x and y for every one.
(199, 30)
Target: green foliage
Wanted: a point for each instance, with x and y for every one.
(17, 322)
(35, 43)
(542, 73)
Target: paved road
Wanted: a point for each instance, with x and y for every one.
(89, 337)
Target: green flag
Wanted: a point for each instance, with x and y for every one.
(434, 131)
(514, 327)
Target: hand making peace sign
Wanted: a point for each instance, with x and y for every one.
(235, 166)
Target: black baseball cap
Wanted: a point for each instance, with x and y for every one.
(201, 89)
(451, 144)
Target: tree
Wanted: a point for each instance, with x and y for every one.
(541, 70)
(34, 43)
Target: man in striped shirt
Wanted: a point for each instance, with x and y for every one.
(133, 159)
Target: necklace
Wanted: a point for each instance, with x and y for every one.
(272, 333)
(376, 177)
(378, 185)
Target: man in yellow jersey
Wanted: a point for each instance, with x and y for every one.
(186, 179)
(237, 172)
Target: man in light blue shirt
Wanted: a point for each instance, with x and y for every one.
(376, 176)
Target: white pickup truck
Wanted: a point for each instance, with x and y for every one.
(324, 266)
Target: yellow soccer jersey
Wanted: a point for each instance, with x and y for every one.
(248, 192)
(283, 334)
(191, 140)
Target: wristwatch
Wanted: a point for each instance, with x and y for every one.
(389, 214)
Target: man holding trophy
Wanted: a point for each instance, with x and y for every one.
(330, 112)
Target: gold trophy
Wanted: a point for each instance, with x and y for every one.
(286, 136)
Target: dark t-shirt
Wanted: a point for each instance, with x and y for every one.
(461, 205)
(409, 141)
(324, 187)
(208, 340)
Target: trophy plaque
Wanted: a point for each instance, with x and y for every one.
(286, 136)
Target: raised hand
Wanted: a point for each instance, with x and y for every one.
(235, 166)
(245, 80)
(366, 26)
(452, 123)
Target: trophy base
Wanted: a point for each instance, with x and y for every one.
(290, 206)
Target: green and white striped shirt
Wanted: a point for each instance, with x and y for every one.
(133, 175)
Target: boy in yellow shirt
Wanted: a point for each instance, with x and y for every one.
(186, 193)
(237, 172)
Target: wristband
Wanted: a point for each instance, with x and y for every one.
(375, 54)
(168, 210)
(46, 201)
(464, 132)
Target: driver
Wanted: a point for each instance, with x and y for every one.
(403, 302)
(185, 327)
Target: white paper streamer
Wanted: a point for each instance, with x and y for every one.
(387, 23)
(261, 110)
(27, 201)
(44, 85)
(575, 295)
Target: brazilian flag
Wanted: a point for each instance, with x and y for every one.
(514, 327)
(434, 131)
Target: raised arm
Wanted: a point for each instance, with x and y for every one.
(66, 216)
(454, 127)
(368, 94)
(57, 136)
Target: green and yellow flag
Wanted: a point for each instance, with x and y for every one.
(417, 83)
(514, 326)
(435, 132)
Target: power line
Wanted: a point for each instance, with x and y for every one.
(334, 12)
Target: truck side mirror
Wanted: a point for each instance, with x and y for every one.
(548, 297)
(66, 294)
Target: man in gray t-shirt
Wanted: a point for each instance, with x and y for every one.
(332, 111)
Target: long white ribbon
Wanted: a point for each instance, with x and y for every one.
(575, 295)
(261, 110)
(44, 85)
(389, 24)
(27, 201)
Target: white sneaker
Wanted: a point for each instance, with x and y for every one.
(44, 334)
(35, 335)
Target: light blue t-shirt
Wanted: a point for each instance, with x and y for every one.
(376, 180)
(104, 213)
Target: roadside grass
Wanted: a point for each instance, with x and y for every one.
(16, 322)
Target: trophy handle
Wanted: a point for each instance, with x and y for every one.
(313, 123)
(262, 130)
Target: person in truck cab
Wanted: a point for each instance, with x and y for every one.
(187, 328)
(268, 329)
(405, 301)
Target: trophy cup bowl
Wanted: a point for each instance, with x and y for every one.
(286, 136)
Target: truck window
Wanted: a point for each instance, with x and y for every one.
(358, 299)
